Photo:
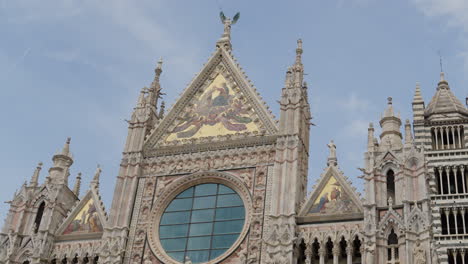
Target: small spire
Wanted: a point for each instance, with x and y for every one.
(370, 137)
(299, 52)
(76, 188)
(97, 174)
(141, 97)
(408, 133)
(66, 147)
(162, 109)
(417, 94)
(35, 176)
(442, 76)
(443, 84)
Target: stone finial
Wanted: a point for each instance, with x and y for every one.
(442, 76)
(162, 109)
(299, 51)
(76, 188)
(390, 203)
(408, 134)
(66, 147)
(389, 99)
(97, 174)
(35, 176)
(332, 160)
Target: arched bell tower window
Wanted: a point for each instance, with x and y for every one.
(391, 185)
(40, 213)
(392, 248)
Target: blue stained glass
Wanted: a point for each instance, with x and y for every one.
(203, 215)
(171, 231)
(186, 193)
(202, 223)
(180, 205)
(204, 202)
(179, 256)
(225, 190)
(198, 256)
(228, 227)
(175, 218)
(206, 189)
(229, 200)
(174, 244)
(195, 243)
(201, 229)
(230, 213)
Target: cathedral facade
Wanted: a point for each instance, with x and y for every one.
(218, 179)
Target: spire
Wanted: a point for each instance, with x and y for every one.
(443, 84)
(66, 147)
(76, 188)
(141, 97)
(154, 93)
(417, 95)
(299, 52)
(408, 134)
(35, 176)
(161, 110)
(370, 137)
(97, 174)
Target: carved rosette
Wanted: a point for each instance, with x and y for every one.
(181, 184)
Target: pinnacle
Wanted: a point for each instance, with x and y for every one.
(66, 147)
(417, 94)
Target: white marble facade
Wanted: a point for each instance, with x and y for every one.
(220, 143)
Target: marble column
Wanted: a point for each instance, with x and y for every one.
(322, 253)
(336, 252)
(349, 253)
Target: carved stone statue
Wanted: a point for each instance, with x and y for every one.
(332, 160)
(419, 254)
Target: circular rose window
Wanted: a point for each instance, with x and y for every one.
(201, 223)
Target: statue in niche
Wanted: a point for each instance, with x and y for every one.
(419, 254)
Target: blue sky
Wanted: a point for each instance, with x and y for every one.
(75, 68)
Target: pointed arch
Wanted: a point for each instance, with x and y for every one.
(39, 216)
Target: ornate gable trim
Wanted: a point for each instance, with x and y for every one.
(221, 62)
(345, 187)
(90, 200)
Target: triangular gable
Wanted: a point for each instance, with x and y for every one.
(333, 198)
(87, 219)
(219, 103)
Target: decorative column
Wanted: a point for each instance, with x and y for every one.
(441, 186)
(455, 215)
(349, 253)
(436, 134)
(336, 252)
(322, 253)
(447, 137)
(447, 173)
(459, 137)
(462, 252)
(455, 177)
(447, 211)
(308, 253)
(462, 212)
(453, 137)
(462, 169)
(442, 137)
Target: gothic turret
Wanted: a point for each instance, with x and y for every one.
(35, 177)
(77, 186)
(391, 138)
(59, 173)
